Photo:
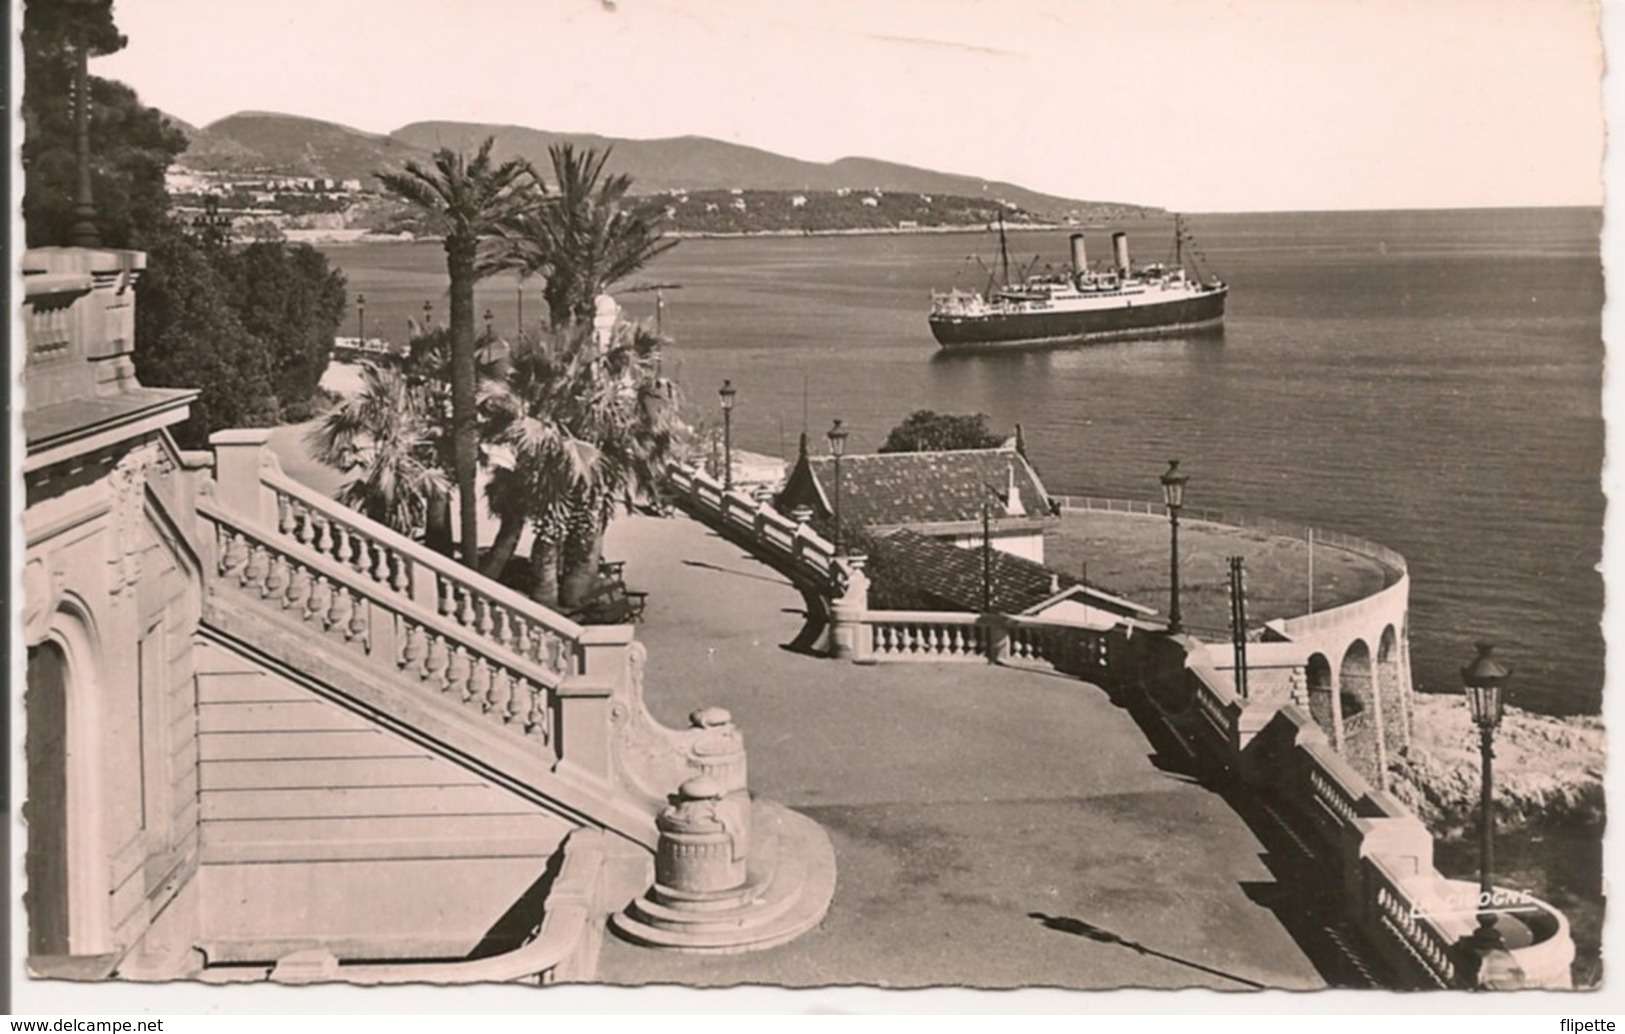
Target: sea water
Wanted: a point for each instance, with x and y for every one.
(1428, 380)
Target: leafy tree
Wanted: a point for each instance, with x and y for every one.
(466, 199)
(927, 431)
(582, 239)
(131, 145)
(189, 336)
(292, 298)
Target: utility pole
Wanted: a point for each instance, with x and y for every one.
(1238, 624)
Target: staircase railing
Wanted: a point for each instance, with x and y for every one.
(368, 617)
(375, 593)
(788, 544)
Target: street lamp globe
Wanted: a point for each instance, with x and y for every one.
(1173, 486)
(1485, 682)
(837, 440)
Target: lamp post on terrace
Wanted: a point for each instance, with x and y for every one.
(361, 321)
(489, 316)
(837, 446)
(428, 315)
(727, 394)
(1173, 495)
(1485, 682)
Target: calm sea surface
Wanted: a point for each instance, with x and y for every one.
(1428, 380)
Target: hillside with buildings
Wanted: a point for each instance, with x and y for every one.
(267, 170)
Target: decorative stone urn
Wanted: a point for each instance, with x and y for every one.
(731, 873)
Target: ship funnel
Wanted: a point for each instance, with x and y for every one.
(1080, 255)
(1120, 250)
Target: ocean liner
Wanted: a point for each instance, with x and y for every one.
(1080, 304)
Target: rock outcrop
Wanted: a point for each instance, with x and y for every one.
(1548, 770)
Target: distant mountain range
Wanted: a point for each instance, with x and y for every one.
(290, 145)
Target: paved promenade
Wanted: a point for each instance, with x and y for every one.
(962, 801)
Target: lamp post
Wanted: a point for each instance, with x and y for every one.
(837, 446)
(1485, 680)
(428, 315)
(727, 394)
(489, 316)
(361, 321)
(83, 232)
(1173, 494)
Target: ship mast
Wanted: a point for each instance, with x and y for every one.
(1004, 250)
(1179, 241)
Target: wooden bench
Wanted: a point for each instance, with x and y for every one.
(611, 602)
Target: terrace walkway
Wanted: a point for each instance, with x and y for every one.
(961, 801)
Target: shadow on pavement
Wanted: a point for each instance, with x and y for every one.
(1079, 928)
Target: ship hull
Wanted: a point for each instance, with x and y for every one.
(1197, 313)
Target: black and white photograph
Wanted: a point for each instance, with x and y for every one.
(517, 498)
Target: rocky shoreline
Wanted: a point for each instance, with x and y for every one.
(1548, 770)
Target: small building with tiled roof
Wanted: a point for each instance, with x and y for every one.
(943, 495)
(916, 572)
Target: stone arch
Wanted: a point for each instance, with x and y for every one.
(45, 800)
(1360, 713)
(1322, 692)
(1391, 691)
(65, 850)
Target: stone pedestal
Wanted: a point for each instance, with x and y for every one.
(731, 874)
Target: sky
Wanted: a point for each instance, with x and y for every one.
(1200, 105)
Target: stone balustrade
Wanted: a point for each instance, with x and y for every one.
(788, 544)
(488, 612)
(923, 636)
(368, 618)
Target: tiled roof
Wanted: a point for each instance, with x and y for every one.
(913, 488)
(953, 575)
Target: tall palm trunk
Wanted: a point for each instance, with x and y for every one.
(544, 570)
(437, 530)
(503, 547)
(460, 254)
(583, 549)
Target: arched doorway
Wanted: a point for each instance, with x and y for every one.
(1319, 673)
(45, 707)
(1362, 725)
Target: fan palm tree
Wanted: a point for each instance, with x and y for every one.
(385, 435)
(582, 239)
(587, 429)
(466, 199)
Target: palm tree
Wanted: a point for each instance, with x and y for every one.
(584, 238)
(587, 429)
(386, 436)
(467, 200)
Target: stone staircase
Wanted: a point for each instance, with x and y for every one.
(549, 710)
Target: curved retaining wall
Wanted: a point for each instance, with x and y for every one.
(1347, 666)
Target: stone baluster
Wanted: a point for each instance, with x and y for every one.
(434, 664)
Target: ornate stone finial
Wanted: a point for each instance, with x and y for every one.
(710, 718)
(700, 788)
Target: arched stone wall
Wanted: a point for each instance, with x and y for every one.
(1391, 692)
(45, 801)
(1360, 714)
(1322, 695)
(72, 647)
